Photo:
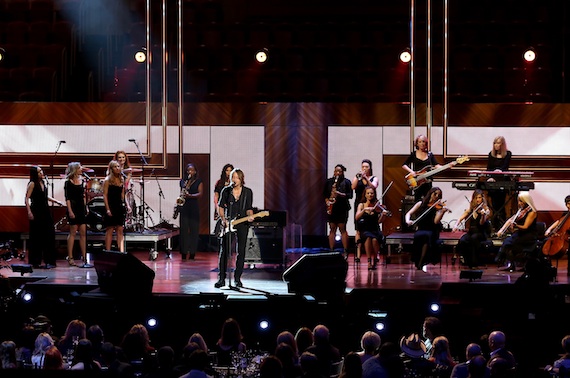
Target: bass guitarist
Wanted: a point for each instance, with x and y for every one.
(418, 160)
(235, 201)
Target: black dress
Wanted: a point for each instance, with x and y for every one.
(427, 234)
(514, 245)
(42, 232)
(190, 221)
(358, 191)
(470, 243)
(417, 165)
(341, 207)
(498, 196)
(369, 227)
(116, 205)
(74, 194)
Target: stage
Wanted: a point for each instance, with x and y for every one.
(185, 300)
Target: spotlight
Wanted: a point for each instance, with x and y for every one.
(405, 56)
(529, 55)
(262, 55)
(26, 297)
(2, 54)
(337, 237)
(434, 307)
(263, 325)
(152, 322)
(140, 55)
(380, 326)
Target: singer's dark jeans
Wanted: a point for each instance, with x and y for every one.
(225, 251)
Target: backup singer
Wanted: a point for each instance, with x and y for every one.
(337, 192)
(429, 212)
(369, 215)
(477, 218)
(192, 189)
(76, 211)
(499, 160)
(42, 232)
(223, 181)
(525, 233)
(114, 198)
(419, 159)
(360, 182)
(235, 202)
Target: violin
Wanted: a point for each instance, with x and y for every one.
(511, 221)
(440, 205)
(384, 210)
(557, 241)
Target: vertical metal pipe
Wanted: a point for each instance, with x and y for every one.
(147, 67)
(445, 73)
(180, 90)
(164, 70)
(412, 91)
(429, 113)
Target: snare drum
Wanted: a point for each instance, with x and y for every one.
(96, 214)
(94, 188)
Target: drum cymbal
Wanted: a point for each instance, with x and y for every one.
(132, 170)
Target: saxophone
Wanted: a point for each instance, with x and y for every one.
(332, 199)
(180, 200)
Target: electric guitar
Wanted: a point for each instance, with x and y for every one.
(230, 226)
(424, 175)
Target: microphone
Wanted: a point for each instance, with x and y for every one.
(61, 141)
(85, 175)
(132, 140)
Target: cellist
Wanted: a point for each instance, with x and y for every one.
(525, 232)
(557, 234)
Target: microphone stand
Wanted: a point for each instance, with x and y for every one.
(160, 198)
(144, 163)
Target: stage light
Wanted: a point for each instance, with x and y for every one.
(263, 325)
(262, 55)
(152, 322)
(405, 56)
(529, 55)
(337, 237)
(2, 54)
(380, 326)
(434, 307)
(140, 55)
(26, 296)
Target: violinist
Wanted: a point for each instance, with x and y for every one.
(557, 234)
(428, 212)
(477, 216)
(360, 182)
(337, 193)
(525, 233)
(369, 214)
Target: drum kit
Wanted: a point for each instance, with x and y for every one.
(134, 221)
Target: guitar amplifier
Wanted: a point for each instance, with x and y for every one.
(265, 245)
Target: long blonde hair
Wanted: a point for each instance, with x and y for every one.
(526, 198)
(503, 151)
(72, 169)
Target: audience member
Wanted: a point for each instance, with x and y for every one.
(75, 331)
(53, 359)
(478, 368)
(310, 366)
(8, 355)
(290, 368)
(165, 369)
(137, 349)
(499, 353)
(326, 353)
(370, 342)
(229, 341)
(271, 368)
(431, 329)
(563, 363)
(413, 357)
(25, 345)
(304, 339)
(198, 339)
(96, 336)
(112, 364)
(83, 358)
(42, 343)
(441, 356)
(288, 338)
(352, 366)
(198, 363)
(184, 366)
(461, 370)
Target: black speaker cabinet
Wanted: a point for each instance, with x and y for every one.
(319, 274)
(407, 203)
(265, 245)
(123, 275)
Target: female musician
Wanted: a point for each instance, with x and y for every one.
(421, 158)
(499, 160)
(127, 171)
(557, 234)
(429, 212)
(42, 233)
(223, 181)
(369, 215)
(525, 234)
(337, 192)
(360, 182)
(191, 189)
(76, 211)
(477, 216)
(114, 199)
(555, 224)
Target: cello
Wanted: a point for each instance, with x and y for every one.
(557, 242)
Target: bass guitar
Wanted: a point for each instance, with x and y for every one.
(230, 227)
(423, 176)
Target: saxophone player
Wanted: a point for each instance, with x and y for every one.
(191, 189)
(337, 193)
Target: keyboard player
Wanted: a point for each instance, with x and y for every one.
(499, 160)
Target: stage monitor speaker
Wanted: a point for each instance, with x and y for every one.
(321, 275)
(265, 245)
(123, 275)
